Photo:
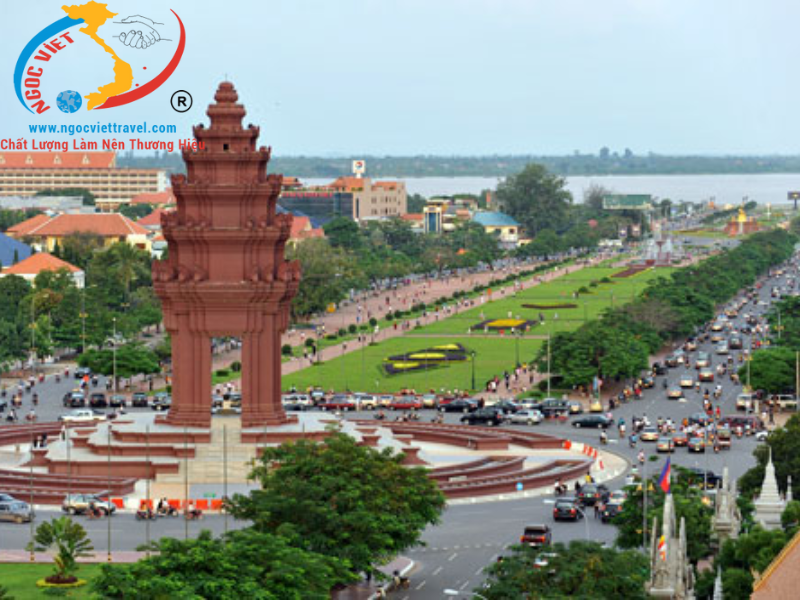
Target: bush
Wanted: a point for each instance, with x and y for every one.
(310, 342)
(389, 316)
(342, 332)
(286, 350)
(236, 366)
(223, 372)
(398, 314)
(606, 280)
(583, 290)
(373, 321)
(352, 328)
(593, 284)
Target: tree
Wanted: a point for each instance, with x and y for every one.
(340, 499)
(87, 196)
(343, 232)
(784, 442)
(536, 198)
(771, 370)
(70, 541)
(545, 244)
(244, 564)
(132, 359)
(136, 211)
(688, 504)
(415, 203)
(593, 197)
(78, 248)
(583, 569)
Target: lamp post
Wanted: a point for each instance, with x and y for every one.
(472, 356)
(548, 364)
(114, 352)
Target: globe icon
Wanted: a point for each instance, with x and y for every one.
(69, 101)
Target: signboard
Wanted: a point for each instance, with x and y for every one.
(359, 167)
(623, 232)
(636, 231)
(519, 486)
(795, 196)
(628, 202)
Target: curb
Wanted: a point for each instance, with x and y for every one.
(389, 585)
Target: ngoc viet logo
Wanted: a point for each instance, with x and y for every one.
(130, 42)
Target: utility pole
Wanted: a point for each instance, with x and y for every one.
(114, 352)
(796, 380)
(548, 364)
(83, 320)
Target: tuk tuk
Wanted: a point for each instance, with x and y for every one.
(724, 438)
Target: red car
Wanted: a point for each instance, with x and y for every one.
(339, 402)
(406, 403)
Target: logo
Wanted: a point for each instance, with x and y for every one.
(125, 39)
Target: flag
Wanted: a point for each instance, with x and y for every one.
(663, 482)
(662, 548)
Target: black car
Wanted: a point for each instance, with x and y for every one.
(567, 509)
(507, 406)
(82, 372)
(139, 400)
(591, 494)
(697, 476)
(459, 405)
(484, 416)
(735, 343)
(593, 421)
(610, 511)
(98, 400)
(74, 400)
(536, 536)
(553, 406)
(118, 401)
(659, 369)
(162, 403)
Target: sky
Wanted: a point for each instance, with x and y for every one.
(447, 77)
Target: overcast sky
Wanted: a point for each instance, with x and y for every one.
(454, 76)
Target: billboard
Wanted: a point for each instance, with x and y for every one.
(628, 202)
(359, 167)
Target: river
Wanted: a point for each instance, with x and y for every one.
(763, 188)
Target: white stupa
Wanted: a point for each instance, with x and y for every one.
(769, 504)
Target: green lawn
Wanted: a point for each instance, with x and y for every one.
(20, 580)
(363, 370)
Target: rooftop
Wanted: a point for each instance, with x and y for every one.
(7, 247)
(57, 160)
(36, 263)
(495, 219)
(155, 198)
(102, 224)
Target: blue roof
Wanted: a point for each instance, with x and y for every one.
(494, 219)
(7, 247)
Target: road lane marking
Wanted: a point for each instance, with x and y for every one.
(452, 557)
(463, 585)
(420, 586)
(438, 570)
(478, 572)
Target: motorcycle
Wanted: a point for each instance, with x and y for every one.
(193, 514)
(146, 515)
(169, 511)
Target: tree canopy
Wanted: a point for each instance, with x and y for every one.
(536, 198)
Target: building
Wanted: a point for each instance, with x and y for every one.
(358, 198)
(770, 504)
(45, 231)
(25, 173)
(433, 216)
(29, 268)
(505, 227)
(302, 230)
(164, 198)
(153, 220)
(12, 251)
(44, 203)
(781, 580)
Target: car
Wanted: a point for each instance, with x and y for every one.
(343, 402)
(536, 536)
(429, 401)
(384, 400)
(735, 343)
(16, 511)
(575, 407)
(690, 345)
(406, 403)
(82, 372)
(527, 416)
(696, 444)
(596, 406)
(665, 444)
(609, 511)
(706, 375)
(659, 369)
(649, 434)
(680, 438)
(703, 360)
(464, 405)
(365, 401)
(484, 416)
(567, 509)
(554, 406)
(507, 406)
(118, 401)
(699, 418)
(300, 399)
(745, 402)
(139, 400)
(787, 402)
(675, 359)
(674, 393)
(618, 496)
(717, 326)
(162, 403)
(82, 415)
(74, 399)
(761, 436)
(592, 493)
(593, 421)
(78, 504)
(697, 476)
(717, 338)
(98, 400)
(722, 348)
(686, 381)
(648, 382)
(290, 404)
(7, 498)
(749, 423)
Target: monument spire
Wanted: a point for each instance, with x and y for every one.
(670, 570)
(769, 504)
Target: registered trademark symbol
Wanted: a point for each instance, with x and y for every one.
(181, 101)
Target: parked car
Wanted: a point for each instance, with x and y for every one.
(744, 402)
(593, 421)
(750, 423)
(665, 444)
(118, 401)
(554, 406)
(82, 415)
(429, 401)
(787, 402)
(596, 406)
(162, 403)
(366, 401)
(139, 400)
(343, 402)
(567, 509)
(536, 536)
(98, 400)
(406, 403)
(484, 416)
(74, 399)
(464, 405)
(507, 406)
(301, 399)
(16, 511)
(528, 417)
(78, 504)
(575, 407)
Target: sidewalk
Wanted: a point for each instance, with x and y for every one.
(365, 591)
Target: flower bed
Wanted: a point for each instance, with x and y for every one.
(550, 306)
(503, 324)
(427, 358)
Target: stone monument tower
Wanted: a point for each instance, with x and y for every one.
(726, 520)
(670, 571)
(769, 504)
(225, 273)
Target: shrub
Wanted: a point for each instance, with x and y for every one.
(286, 350)
(309, 342)
(373, 321)
(342, 332)
(352, 328)
(331, 336)
(389, 316)
(223, 372)
(583, 290)
(236, 366)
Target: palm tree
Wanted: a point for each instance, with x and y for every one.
(71, 542)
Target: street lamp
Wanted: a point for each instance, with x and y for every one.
(114, 351)
(472, 356)
(451, 592)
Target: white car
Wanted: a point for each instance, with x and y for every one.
(366, 401)
(528, 417)
(302, 399)
(82, 416)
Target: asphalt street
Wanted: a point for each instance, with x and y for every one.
(470, 536)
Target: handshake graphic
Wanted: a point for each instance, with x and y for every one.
(140, 33)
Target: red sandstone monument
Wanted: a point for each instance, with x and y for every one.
(225, 273)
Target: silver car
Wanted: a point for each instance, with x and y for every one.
(528, 417)
(16, 511)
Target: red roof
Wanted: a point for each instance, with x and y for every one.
(57, 160)
(153, 219)
(301, 229)
(155, 198)
(291, 182)
(412, 217)
(102, 224)
(348, 184)
(36, 263)
(23, 228)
